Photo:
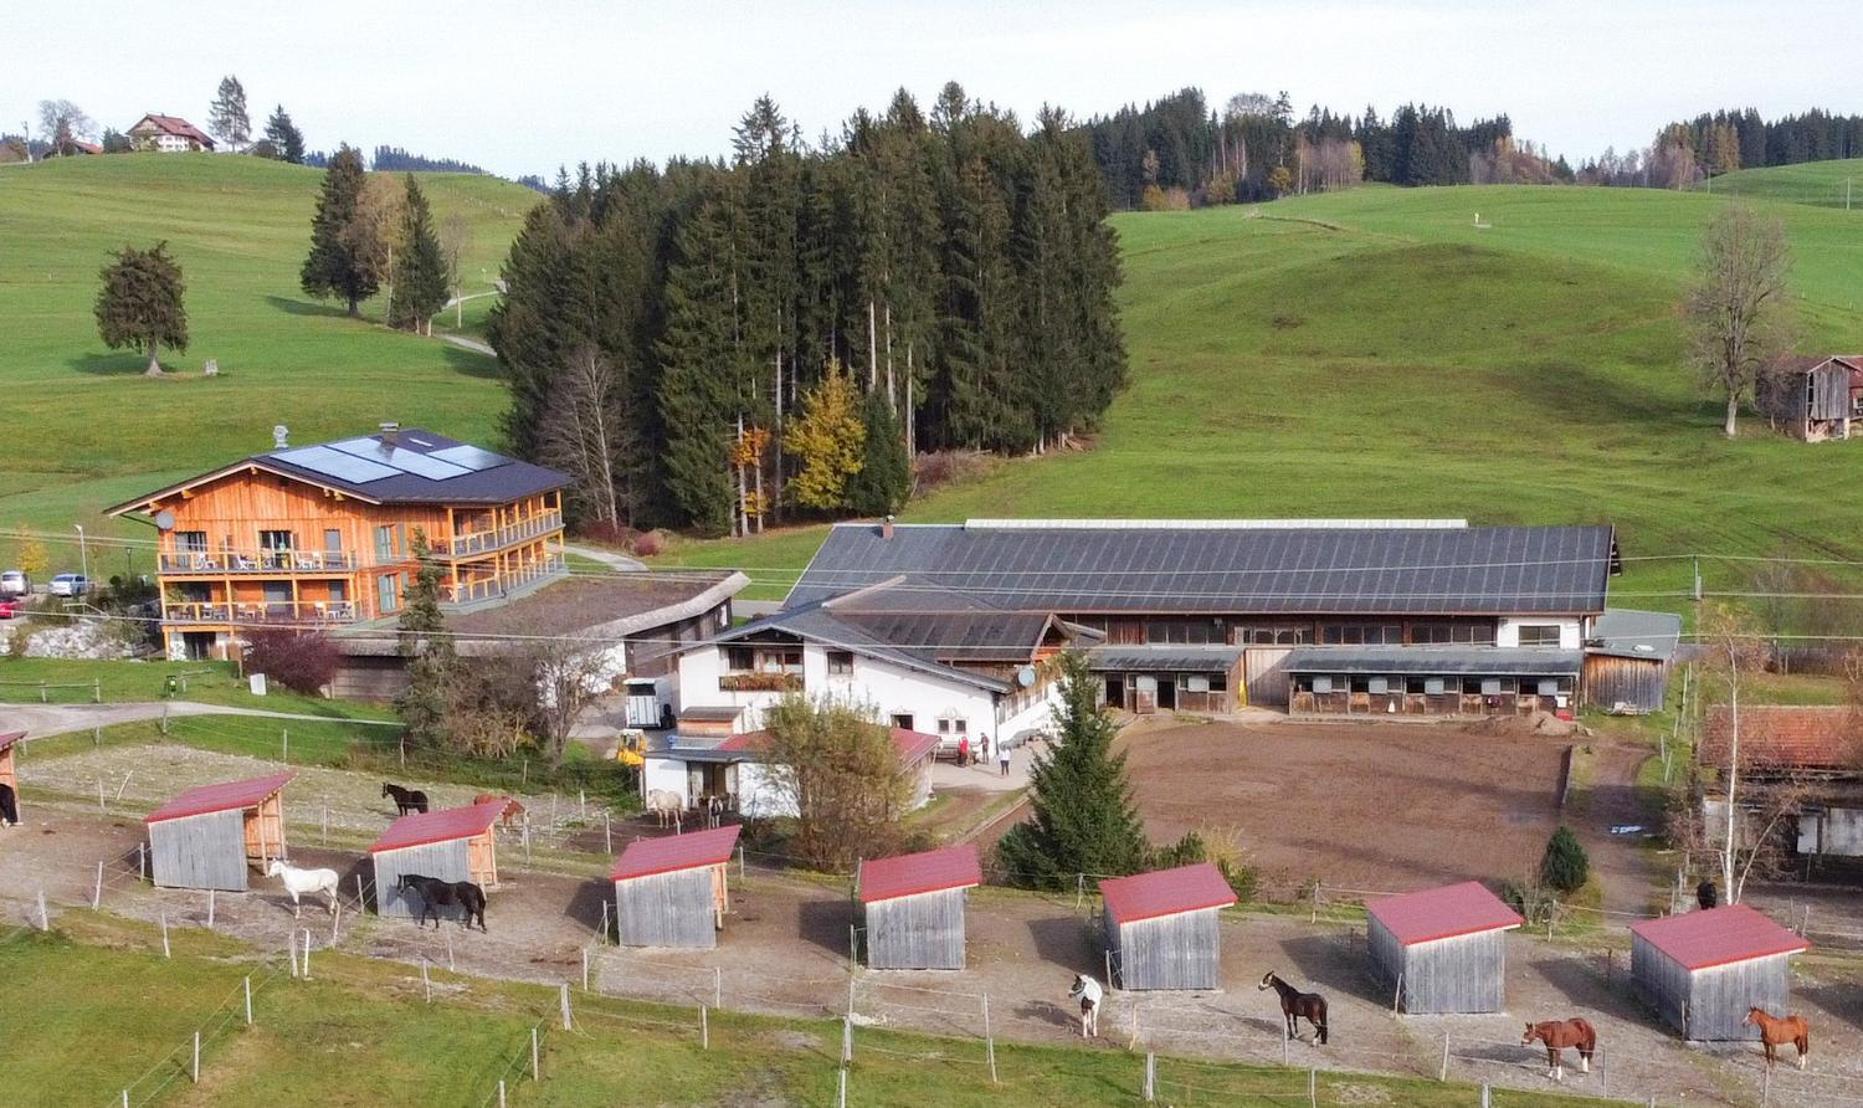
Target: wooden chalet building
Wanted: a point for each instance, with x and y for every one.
(1818, 749)
(322, 536)
(168, 134)
(1814, 397)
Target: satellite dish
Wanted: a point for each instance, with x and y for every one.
(164, 520)
(1026, 677)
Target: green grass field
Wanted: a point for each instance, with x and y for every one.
(1835, 184)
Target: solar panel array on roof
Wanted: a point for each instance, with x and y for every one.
(335, 463)
(406, 461)
(470, 457)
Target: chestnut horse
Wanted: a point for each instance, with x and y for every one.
(1775, 1032)
(1559, 1034)
(513, 811)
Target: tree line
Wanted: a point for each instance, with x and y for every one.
(713, 343)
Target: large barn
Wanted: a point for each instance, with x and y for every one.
(1702, 971)
(1161, 928)
(913, 905)
(211, 837)
(672, 891)
(1444, 949)
(452, 844)
(9, 777)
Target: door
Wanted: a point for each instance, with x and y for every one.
(197, 645)
(1167, 693)
(1115, 691)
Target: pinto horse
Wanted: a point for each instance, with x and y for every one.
(406, 800)
(1088, 992)
(510, 814)
(1775, 1032)
(436, 894)
(1559, 1034)
(1296, 1006)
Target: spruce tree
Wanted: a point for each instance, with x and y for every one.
(431, 657)
(1084, 820)
(140, 303)
(697, 352)
(1564, 867)
(883, 481)
(420, 267)
(334, 266)
(287, 141)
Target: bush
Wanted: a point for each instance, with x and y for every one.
(1564, 867)
(302, 661)
(646, 544)
(945, 467)
(1222, 850)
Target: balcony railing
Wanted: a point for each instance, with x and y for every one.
(760, 682)
(481, 542)
(490, 588)
(258, 561)
(308, 612)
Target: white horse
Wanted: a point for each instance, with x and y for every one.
(666, 806)
(1089, 993)
(298, 882)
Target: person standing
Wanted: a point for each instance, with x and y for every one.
(963, 751)
(1002, 757)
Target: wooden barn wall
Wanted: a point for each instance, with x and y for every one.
(369, 678)
(1718, 998)
(446, 861)
(1262, 676)
(1637, 683)
(1170, 952)
(1467, 973)
(200, 852)
(1659, 981)
(1829, 393)
(917, 932)
(667, 909)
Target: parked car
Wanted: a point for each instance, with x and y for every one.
(9, 608)
(14, 582)
(70, 584)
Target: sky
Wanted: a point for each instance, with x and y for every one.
(524, 87)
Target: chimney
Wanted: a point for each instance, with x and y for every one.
(390, 432)
(886, 527)
(281, 437)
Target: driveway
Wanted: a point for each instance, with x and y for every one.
(44, 720)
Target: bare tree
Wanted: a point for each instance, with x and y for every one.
(585, 433)
(455, 240)
(63, 123)
(1739, 317)
(1733, 652)
(569, 672)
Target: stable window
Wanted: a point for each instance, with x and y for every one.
(1380, 684)
(1539, 634)
(1491, 686)
(739, 659)
(1218, 682)
(840, 663)
(1322, 684)
(1195, 682)
(1549, 687)
(1433, 686)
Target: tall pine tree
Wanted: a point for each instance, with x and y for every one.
(880, 486)
(698, 353)
(429, 651)
(334, 266)
(287, 141)
(420, 266)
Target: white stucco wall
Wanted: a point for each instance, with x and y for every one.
(1571, 634)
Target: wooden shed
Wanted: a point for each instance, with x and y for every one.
(452, 844)
(1161, 927)
(1812, 397)
(671, 891)
(9, 777)
(211, 837)
(913, 907)
(1702, 971)
(1443, 949)
(1628, 658)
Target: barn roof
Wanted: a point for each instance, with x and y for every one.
(1163, 659)
(224, 797)
(1628, 633)
(1718, 936)
(930, 871)
(1166, 892)
(647, 857)
(175, 125)
(821, 624)
(1783, 736)
(1435, 661)
(7, 740)
(1444, 913)
(445, 825)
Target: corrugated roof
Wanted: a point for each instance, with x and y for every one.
(11, 737)
(1718, 936)
(975, 636)
(1435, 661)
(646, 857)
(1779, 736)
(818, 624)
(1627, 633)
(1261, 570)
(444, 825)
(1163, 659)
(1166, 892)
(224, 797)
(929, 871)
(1444, 913)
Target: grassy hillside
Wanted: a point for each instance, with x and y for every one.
(1828, 184)
(88, 430)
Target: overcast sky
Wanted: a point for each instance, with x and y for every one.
(520, 87)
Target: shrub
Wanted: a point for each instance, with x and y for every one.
(945, 467)
(1564, 867)
(302, 661)
(1221, 849)
(646, 544)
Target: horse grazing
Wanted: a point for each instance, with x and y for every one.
(1296, 1006)
(1559, 1034)
(1775, 1032)
(511, 813)
(666, 806)
(1089, 993)
(436, 894)
(301, 881)
(406, 800)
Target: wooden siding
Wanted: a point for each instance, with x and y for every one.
(1637, 684)
(1812, 405)
(447, 861)
(683, 908)
(363, 677)
(1708, 1005)
(200, 852)
(1183, 951)
(1467, 973)
(917, 932)
(1262, 676)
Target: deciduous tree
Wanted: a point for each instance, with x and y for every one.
(227, 117)
(586, 434)
(140, 305)
(1738, 313)
(842, 773)
(828, 441)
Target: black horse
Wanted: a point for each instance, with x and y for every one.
(1296, 1005)
(436, 894)
(406, 800)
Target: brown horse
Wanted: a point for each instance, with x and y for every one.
(513, 811)
(1775, 1032)
(1296, 1006)
(1559, 1034)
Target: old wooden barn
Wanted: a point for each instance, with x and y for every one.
(212, 836)
(913, 907)
(1628, 659)
(1702, 971)
(1444, 950)
(1161, 928)
(9, 776)
(1814, 397)
(452, 844)
(671, 891)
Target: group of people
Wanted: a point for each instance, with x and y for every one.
(982, 753)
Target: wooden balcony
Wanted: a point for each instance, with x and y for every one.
(257, 562)
(484, 542)
(310, 613)
(760, 682)
(476, 589)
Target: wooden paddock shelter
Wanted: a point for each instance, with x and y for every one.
(452, 844)
(211, 837)
(1444, 949)
(1703, 970)
(913, 907)
(671, 891)
(9, 776)
(1161, 927)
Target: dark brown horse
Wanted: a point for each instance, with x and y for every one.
(1559, 1034)
(1776, 1032)
(406, 800)
(1296, 1006)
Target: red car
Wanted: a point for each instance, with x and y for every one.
(8, 608)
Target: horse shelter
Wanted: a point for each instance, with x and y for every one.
(9, 777)
(913, 907)
(1702, 971)
(1445, 949)
(210, 837)
(1161, 928)
(452, 844)
(671, 891)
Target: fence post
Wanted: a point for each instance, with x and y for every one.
(536, 1067)
(1284, 1045)
(740, 865)
(284, 741)
(164, 718)
(1313, 907)
(96, 690)
(100, 793)
(97, 892)
(1397, 995)
(426, 983)
(1151, 1077)
(96, 736)
(292, 948)
(197, 1056)
(841, 1097)
(45, 924)
(501, 1093)
(847, 1041)
(361, 904)
(989, 1040)
(1443, 1075)
(248, 980)
(324, 827)
(564, 996)
(603, 933)
(142, 861)
(1109, 967)
(608, 838)
(450, 967)
(1313, 1087)
(165, 952)
(717, 987)
(307, 948)
(585, 969)
(1080, 890)
(1486, 1096)
(705, 1033)
(210, 899)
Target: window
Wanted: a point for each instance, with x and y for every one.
(1275, 636)
(739, 659)
(1183, 631)
(1549, 687)
(193, 542)
(1539, 634)
(1480, 634)
(1196, 682)
(1380, 685)
(903, 721)
(1322, 684)
(1362, 634)
(387, 592)
(840, 663)
(953, 726)
(332, 541)
(780, 661)
(1491, 686)
(1434, 686)
(385, 545)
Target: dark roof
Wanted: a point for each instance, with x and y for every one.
(1230, 567)
(1626, 633)
(647, 857)
(929, 871)
(445, 825)
(1444, 913)
(1718, 936)
(1163, 659)
(227, 796)
(1779, 736)
(975, 636)
(1166, 892)
(817, 623)
(1435, 661)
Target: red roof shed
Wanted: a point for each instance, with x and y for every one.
(1443, 913)
(646, 857)
(451, 844)
(212, 836)
(1718, 937)
(1166, 892)
(225, 797)
(422, 828)
(930, 871)
(672, 891)
(1703, 970)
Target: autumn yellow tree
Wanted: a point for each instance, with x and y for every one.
(829, 441)
(33, 560)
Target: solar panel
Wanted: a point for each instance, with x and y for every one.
(407, 461)
(471, 457)
(331, 463)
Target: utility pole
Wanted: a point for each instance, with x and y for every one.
(84, 558)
